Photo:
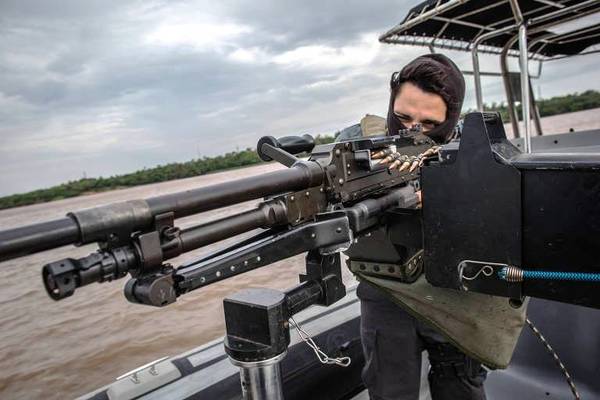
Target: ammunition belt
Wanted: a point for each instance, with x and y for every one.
(407, 272)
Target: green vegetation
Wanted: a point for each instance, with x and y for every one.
(160, 173)
(555, 105)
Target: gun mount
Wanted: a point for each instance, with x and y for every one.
(524, 224)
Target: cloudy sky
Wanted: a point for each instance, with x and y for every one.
(101, 88)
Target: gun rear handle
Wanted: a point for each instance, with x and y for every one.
(291, 144)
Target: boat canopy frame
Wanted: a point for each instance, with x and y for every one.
(508, 28)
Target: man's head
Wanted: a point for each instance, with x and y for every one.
(428, 91)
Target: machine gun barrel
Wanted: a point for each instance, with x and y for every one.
(300, 176)
(33, 238)
(119, 220)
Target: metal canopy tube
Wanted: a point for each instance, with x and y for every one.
(514, 121)
(525, 104)
(561, 12)
(422, 17)
(475, 57)
(536, 111)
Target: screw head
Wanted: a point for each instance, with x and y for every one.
(292, 198)
(232, 268)
(341, 181)
(218, 274)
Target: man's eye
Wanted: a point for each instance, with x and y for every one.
(427, 126)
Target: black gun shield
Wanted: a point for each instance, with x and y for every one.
(471, 205)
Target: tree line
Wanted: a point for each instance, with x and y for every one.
(144, 176)
(555, 105)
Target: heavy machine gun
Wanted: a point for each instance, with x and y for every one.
(318, 206)
(315, 204)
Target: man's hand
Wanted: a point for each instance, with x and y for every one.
(402, 161)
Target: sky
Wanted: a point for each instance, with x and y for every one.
(95, 88)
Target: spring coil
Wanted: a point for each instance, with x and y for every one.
(515, 274)
(511, 274)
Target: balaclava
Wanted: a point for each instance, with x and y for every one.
(437, 74)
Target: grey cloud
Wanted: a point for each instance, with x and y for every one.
(81, 90)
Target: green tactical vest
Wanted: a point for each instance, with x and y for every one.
(482, 326)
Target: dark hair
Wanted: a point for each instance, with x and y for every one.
(426, 76)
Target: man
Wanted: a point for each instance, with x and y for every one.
(429, 91)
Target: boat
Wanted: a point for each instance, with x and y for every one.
(564, 333)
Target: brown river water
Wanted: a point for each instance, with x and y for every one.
(58, 350)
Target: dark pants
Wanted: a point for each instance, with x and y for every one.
(393, 341)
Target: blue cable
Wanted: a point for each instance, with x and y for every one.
(505, 274)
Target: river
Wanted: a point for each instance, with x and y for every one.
(58, 350)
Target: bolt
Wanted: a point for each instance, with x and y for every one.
(341, 181)
(258, 259)
(338, 230)
(362, 266)
(321, 189)
(232, 268)
(218, 274)
(292, 198)
(245, 263)
(338, 152)
(313, 235)
(307, 194)
(202, 279)
(348, 165)
(349, 172)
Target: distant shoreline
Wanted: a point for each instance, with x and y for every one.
(552, 109)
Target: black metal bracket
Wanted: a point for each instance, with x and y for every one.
(329, 233)
(256, 319)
